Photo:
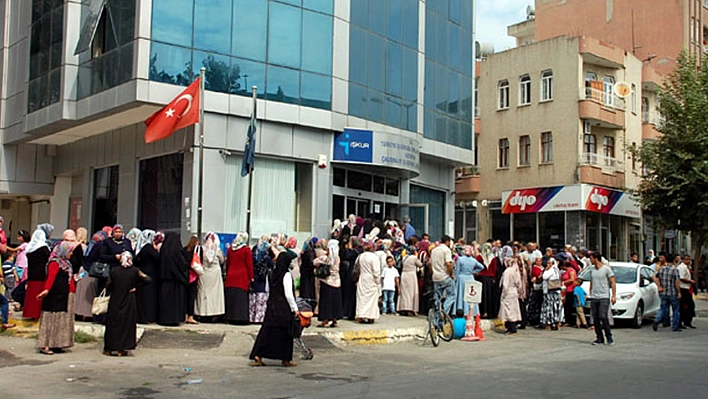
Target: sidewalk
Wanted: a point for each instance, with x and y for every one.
(387, 329)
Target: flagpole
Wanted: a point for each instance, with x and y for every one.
(200, 186)
(254, 89)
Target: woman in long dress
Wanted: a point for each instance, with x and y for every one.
(465, 269)
(307, 269)
(262, 266)
(409, 297)
(347, 256)
(490, 301)
(122, 317)
(85, 285)
(37, 256)
(210, 286)
(273, 340)
(330, 306)
(56, 325)
(174, 277)
(239, 275)
(552, 308)
(509, 310)
(368, 288)
(147, 260)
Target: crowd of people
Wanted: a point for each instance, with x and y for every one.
(363, 268)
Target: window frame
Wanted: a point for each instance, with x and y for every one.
(524, 151)
(608, 146)
(503, 153)
(524, 90)
(634, 99)
(608, 85)
(546, 147)
(503, 95)
(589, 143)
(547, 85)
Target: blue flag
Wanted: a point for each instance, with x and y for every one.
(249, 152)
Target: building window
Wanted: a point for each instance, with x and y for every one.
(504, 153)
(46, 37)
(160, 192)
(105, 197)
(634, 98)
(546, 147)
(524, 150)
(525, 90)
(547, 85)
(645, 110)
(608, 146)
(503, 94)
(609, 91)
(589, 141)
(476, 97)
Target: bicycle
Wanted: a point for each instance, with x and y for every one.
(439, 322)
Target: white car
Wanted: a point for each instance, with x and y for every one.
(637, 293)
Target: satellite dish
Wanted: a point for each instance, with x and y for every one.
(484, 202)
(530, 12)
(474, 203)
(623, 89)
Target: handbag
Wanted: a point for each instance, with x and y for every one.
(100, 303)
(100, 270)
(196, 269)
(555, 283)
(295, 327)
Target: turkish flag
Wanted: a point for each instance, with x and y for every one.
(183, 111)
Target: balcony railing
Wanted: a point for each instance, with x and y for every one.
(649, 117)
(605, 98)
(608, 164)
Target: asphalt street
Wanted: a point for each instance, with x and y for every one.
(534, 364)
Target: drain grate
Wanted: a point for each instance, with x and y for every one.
(180, 339)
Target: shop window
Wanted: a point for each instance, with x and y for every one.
(546, 147)
(501, 224)
(524, 151)
(504, 153)
(525, 227)
(105, 194)
(525, 90)
(160, 193)
(551, 228)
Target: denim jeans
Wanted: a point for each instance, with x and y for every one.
(388, 304)
(599, 308)
(666, 301)
(446, 288)
(4, 309)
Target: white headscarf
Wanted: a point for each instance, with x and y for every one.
(146, 237)
(39, 240)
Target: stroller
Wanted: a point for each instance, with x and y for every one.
(305, 306)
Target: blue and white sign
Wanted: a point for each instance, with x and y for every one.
(354, 145)
(399, 152)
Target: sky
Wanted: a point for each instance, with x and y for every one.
(493, 16)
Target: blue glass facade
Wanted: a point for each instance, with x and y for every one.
(383, 61)
(46, 35)
(449, 72)
(284, 47)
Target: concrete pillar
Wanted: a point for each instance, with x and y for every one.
(59, 204)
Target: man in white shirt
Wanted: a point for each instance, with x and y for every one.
(532, 253)
(688, 307)
(443, 272)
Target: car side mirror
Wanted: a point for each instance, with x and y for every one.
(644, 282)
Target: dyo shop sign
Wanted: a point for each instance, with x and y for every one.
(570, 198)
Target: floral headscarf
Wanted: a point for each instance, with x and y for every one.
(487, 253)
(47, 229)
(262, 250)
(60, 255)
(211, 246)
(291, 243)
(147, 236)
(309, 244)
(506, 252)
(134, 236)
(126, 259)
(240, 241)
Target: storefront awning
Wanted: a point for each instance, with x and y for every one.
(585, 197)
(389, 154)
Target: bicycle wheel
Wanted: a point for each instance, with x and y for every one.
(447, 330)
(433, 327)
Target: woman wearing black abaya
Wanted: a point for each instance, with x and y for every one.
(348, 256)
(273, 340)
(174, 277)
(307, 269)
(147, 259)
(122, 315)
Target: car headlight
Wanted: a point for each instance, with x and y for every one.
(626, 296)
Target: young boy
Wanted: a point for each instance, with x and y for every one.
(579, 294)
(391, 281)
(9, 274)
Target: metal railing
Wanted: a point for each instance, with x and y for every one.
(605, 98)
(651, 117)
(608, 164)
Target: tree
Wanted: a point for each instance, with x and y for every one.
(675, 186)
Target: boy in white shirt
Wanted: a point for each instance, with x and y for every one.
(391, 281)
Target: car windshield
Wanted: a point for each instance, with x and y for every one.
(625, 275)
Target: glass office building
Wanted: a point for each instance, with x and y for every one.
(364, 107)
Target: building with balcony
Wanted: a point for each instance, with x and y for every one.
(553, 145)
(80, 78)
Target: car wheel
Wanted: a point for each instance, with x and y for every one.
(638, 316)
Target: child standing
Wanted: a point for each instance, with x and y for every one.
(9, 275)
(391, 281)
(579, 294)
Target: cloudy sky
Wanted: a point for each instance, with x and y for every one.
(493, 16)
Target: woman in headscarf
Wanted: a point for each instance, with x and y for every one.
(37, 256)
(133, 236)
(56, 326)
(87, 288)
(210, 286)
(85, 285)
(77, 259)
(489, 306)
(552, 308)
(262, 266)
(509, 311)
(273, 340)
(347, 258)
(307, 269)
(113, 247)
(122, 315)
(147, 260)
(239, 275)
(330, 306)
(173, 281)
(189, 250)
(409, 297)
(465, 269)
(368, 289)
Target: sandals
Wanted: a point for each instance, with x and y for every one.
(288, 364)
(46, 351)
(257, 362)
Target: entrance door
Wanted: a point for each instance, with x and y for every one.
(359, 207)
(420, 216)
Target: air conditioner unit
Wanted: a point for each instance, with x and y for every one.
(587, 127)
